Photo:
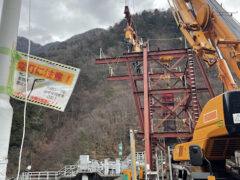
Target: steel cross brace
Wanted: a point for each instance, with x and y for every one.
(173, 110)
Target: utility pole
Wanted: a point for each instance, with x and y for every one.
(133, 155)
(8, 36)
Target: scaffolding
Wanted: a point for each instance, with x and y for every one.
(155, 75)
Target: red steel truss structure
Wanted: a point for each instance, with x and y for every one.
(165, 93)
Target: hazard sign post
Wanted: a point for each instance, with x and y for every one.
(50, 84)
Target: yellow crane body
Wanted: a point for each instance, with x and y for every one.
(217, 130)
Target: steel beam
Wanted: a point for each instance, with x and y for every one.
(177, 90)
(162, 52)
(153, 55)
(130, 59)
(140, 77)
(136, 98)
(211, 93)
(177, 62)
(178, 86)
(159, 145)
(173, 110)
(147, 125)
(168, 135)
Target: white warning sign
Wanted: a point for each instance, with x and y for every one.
(50, 84)
(236, 118)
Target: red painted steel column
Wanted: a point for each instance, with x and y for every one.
(205, 77)
(147, 126)
(136, 98)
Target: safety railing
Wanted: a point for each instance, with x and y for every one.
(42, 175)
(106, 168)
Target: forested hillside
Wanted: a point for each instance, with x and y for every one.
(99, 113)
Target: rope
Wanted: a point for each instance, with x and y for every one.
(133, 4)
(110, 67)
(126, 2)
(26, 82)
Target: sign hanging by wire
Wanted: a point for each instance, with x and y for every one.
(49, 84)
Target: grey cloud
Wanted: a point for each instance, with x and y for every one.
(57, 20)
(63, 19)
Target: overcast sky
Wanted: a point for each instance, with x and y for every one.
(58, 20)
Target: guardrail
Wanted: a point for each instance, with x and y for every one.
(85, 166)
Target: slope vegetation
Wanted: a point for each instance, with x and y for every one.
(99, 113)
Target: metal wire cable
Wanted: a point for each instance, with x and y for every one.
(26, 83)
(232, 24)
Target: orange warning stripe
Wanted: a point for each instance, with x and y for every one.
(46, 72)
(37, 102)
(210, 116)
(49, 62)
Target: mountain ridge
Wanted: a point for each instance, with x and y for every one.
(37, 48)
(99, 113)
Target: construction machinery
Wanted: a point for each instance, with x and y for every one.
(167, 101)
(131, 37)
(213, 35)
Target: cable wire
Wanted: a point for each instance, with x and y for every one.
(26, 84)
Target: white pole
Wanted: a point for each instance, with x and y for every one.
(170, 162)
(133, 154)
(157, 164)
(8, 35)
(162, 164)
(84, 177)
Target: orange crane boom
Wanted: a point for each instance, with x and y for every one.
(211, 36)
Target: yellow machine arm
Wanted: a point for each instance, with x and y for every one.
(131, 36)
(210, 35)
